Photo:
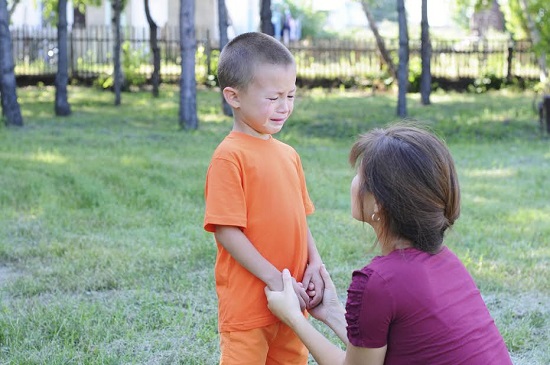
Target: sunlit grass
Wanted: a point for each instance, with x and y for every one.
(103, 259)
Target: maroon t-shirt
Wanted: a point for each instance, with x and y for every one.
(426, 308)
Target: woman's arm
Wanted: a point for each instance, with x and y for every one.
(285, 305)
(331, 311)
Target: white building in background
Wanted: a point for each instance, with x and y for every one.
(348, 14)
(133, 14)
(243, 15)
(29, 13)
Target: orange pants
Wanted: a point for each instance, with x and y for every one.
(275, 344)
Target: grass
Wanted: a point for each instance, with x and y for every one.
(103, 259)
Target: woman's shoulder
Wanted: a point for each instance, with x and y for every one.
(410, 263)
(369, 276)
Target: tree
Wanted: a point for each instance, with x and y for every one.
(11, 8)
(153, 41)
(379, 40)
(188, 88)
(266, 25)
(62, 106)
(523, 18)
(118, 6)
(532, 11)
(223, 24)
(426, 56)
(312, 21)
(8, 89)
(403, 70)
(490, 17)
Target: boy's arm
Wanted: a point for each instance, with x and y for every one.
(313, 254)
(242, 250)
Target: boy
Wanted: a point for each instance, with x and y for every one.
(256, 206)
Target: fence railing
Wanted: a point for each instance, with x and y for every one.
(91, 55)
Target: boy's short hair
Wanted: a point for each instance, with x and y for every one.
(244, 53)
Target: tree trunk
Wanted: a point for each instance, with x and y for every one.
(379, 40)
(403, 71)
(8, 88)
(117, 74)
(13, 6)
(265, 18)
(223, 24)
(426, 56)
(188, 89)
(535, 38)
(62, 106)
(153, 30)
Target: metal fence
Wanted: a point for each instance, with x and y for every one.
(91, 56)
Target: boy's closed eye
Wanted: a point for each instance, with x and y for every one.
(276, 98)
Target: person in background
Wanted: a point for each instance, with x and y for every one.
(257, 205)
(415, 303)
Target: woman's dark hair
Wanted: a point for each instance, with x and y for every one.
(412, 176)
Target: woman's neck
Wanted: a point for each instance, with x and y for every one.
(394, 243)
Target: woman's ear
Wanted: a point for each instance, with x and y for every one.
(231, 95)
(376, 207)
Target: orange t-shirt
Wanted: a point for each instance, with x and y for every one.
(259, 186)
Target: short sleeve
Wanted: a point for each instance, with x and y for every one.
(224, 196)
(369, 310)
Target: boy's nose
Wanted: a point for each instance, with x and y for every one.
(284, 105)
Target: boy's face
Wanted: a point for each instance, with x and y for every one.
(263, 108)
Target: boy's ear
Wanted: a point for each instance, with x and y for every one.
(231, 95)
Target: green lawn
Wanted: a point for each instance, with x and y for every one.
(103, 259)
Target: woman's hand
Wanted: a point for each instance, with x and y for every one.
(314, 284)
(330, 304)
(284, 304)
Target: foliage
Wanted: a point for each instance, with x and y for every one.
(382, 10)
(485, 83)
(132, 61)
(312, 22)
(540, 14)
(415, 73)
(516, 18)
(49, 8)
(206, 66)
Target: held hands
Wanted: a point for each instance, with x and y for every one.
(314, 285)
(301, 294)
(285, 304)
(330, 304)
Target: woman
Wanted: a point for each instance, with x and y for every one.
(415, 303)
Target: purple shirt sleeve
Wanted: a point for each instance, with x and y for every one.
(426, 308)
(369, 306)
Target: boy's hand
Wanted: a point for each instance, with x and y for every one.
(314, 284)
(303, 297)
(330, 303)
